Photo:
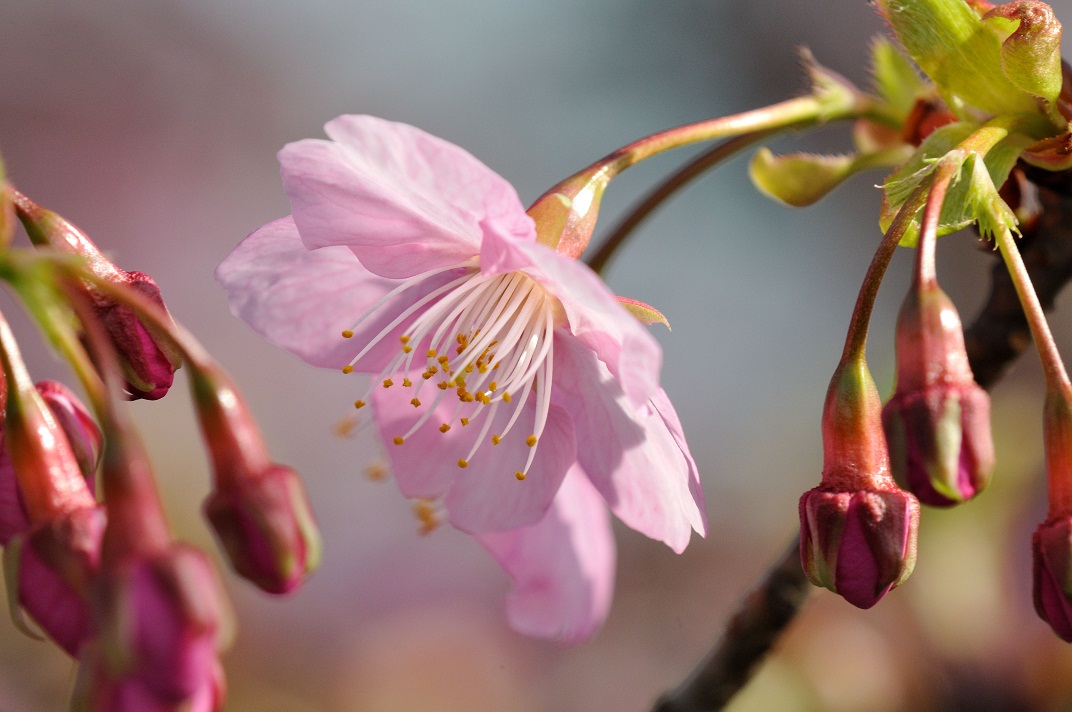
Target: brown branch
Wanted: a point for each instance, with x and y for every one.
(998, 335)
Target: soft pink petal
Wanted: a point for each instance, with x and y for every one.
(485, 496)
(562, 567)
(638, 461)
(54, 605)
(403, 200)
(595, 317)
(303, 299)
(13, 517)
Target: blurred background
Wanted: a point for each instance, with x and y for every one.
(153, 125)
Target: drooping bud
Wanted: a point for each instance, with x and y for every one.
(162, 621)
(1052, 542)
(1051, 547)
(52, 526)
(147, 356)
(259, 509)
(857, 528)
(938, 421)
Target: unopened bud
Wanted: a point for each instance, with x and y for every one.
(258, 508)
(162, 621)
(857, 529)
(148, 358)
(1051, 546)
(938, 421)
(267, 528)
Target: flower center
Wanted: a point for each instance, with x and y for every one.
(484, 342)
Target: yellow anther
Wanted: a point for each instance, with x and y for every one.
(443, 360)
(469, 368)
(463, 421)
(347, 369)
(519, 475)
(483, 398)
(462, 338)
(416, 402)
(465, 398)
(483, 368)
(359, 403)
(442, 385)
(531, 441)
(463, 464)
(398, 440)
(444, 427)
(347, 334)
(496, 366)
(346, 427)
(376, 472)
(496, 439)
(459, 349)
(507, 397)
(407, 349)
(404, 339)
(431, 353)
(427, 374)
(387, 383)
(406, 383)
(492, 386)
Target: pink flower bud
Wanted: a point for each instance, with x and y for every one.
(50, 562)
(54, 566)
(857, 529)
(259, 509)
(858, 544)
(162, 620)
(938, 421)
(1051, 546)
(147, 357)
(266, 527)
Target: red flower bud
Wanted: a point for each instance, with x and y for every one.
(266, 528)
(147, 357)
(162, 620)
(858, 544)
(259, 509)
(857, 529)
(1051, 546)
(938, 421)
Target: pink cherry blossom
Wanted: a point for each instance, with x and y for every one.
(508, 383)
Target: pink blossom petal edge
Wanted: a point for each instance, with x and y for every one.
(562, 567)
(403, 200)
(638, 461)
(595, 317)
(303, 299)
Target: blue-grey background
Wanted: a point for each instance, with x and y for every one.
(154, 127)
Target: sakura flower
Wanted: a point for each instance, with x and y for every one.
(499, 365)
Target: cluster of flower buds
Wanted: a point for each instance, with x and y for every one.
(89, 560)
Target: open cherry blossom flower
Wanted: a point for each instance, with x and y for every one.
(509, 385)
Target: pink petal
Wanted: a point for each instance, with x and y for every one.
(594, 315)
(303, 299)
(485, 496)
(54, 605)
(404, 201)
(13, 517)
(562, 566)
(638, 461)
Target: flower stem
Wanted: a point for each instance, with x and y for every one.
(1052, 366)
(679, 179)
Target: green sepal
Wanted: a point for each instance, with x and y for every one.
(972, 196)
(1030, 47)
(896, 80)
(800, 179)
(646, 314)
(960, 54)
(12, 562)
